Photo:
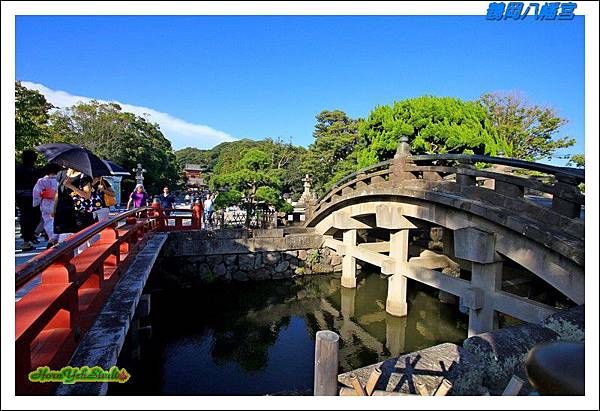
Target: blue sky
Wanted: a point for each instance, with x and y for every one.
(208, 79)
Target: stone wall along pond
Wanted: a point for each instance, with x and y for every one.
(192, 258)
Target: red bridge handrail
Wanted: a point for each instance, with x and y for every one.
(75, 279)
(29, 269)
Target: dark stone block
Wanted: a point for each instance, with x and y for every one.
(569, 324)
(503, 352)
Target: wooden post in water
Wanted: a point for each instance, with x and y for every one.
(326, 363)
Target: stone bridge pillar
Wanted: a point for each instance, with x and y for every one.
(348, 302)
(349, 262)
(400, 162)
(397, 283)
(478, 247)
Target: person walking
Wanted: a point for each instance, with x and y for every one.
(26, 175)
(167, 200)
(208, 207)
(85, 200)
(138, 198)
(44, 192)
(64, 209)
(74, 205)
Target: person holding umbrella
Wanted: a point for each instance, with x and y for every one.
(75, 201)
(74, 205)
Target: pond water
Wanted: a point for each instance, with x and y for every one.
(258, 338)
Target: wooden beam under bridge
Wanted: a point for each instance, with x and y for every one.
(473, 297)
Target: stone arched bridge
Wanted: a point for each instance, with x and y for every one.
(488, 215)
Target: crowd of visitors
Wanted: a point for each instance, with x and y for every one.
(62, 201)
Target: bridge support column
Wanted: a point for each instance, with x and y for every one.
(488, 278)
(348, 302)
(397, 283)
(349, 262)
(479, 247)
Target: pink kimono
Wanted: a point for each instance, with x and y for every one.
(43, 196)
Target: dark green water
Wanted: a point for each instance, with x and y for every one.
(258, 338)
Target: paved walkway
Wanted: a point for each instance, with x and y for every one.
(22, 256)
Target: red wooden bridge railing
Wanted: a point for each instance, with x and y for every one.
(68, 287)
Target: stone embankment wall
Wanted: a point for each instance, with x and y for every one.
(192, 258)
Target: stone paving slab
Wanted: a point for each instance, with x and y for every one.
(428, 367)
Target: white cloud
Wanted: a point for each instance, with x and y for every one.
(181, 133)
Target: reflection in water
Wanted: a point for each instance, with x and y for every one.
(258, 338)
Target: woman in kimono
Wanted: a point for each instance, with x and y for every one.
(44, 192)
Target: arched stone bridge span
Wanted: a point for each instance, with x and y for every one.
(488, 216)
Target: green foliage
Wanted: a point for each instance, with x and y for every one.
(526, 131)
(255, 159)
(281, 161)
(121, 137)
(433, 125)
(285, 207)
(243, 180)
(313, 257)
(192, 155)
(333, 153)
(254, 179)
(577, 160)
(267, 195)
(228, 198)
(31, 119)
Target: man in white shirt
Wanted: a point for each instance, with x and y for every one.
(208, 210)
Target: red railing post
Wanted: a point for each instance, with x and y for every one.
(158, 214)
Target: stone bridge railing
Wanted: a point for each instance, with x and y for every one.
(462, 174)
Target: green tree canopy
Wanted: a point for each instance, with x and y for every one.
(432, 124)
(119, 136)
(31, 119)
(282, 160)
(192, 155)
(256, 180)
(255, 159)
(333, 153)
(528, 132)
(577, 160)
(228, 198)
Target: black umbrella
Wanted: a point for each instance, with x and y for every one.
(75, 157)
(115, 169)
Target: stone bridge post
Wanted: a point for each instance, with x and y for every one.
(565, 189)
(349, 262)
(478, 247)
(397, 283)
(401, 160)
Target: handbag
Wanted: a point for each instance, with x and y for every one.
(110, 199)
